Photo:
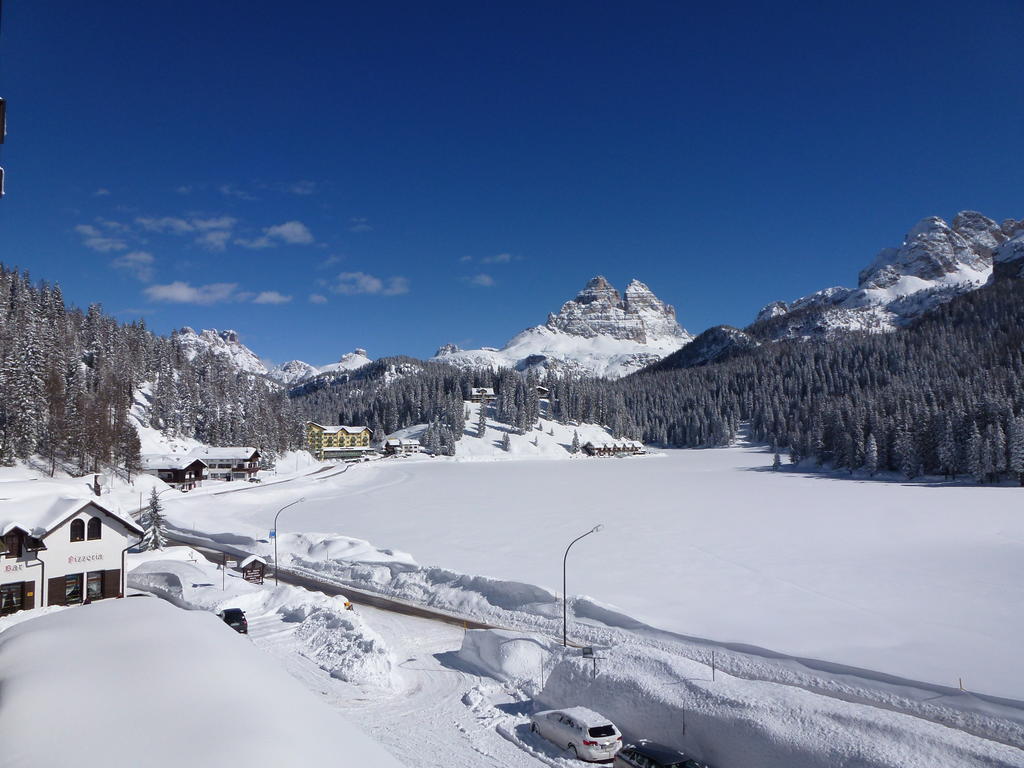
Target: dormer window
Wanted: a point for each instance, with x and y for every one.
(95, 529)
(77, 530)
(32, 544)
(12, 544)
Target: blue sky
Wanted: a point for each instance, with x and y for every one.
(326, 175)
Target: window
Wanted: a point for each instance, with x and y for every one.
(94, 585)
(77, 530)
(11, 598)
(95, 530)
(72, 589)
(12, 543)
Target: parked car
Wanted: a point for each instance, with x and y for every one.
(235, 618)
(586, 734)
(650, 754)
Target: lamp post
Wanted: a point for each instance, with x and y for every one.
(282, 509)
(565, 595)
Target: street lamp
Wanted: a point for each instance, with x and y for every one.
(565, 595)
(158, 495)
(282, 509)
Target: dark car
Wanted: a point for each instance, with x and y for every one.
(650, 754)
(235, 618)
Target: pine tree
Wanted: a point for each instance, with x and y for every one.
(506, 443)
(871, 456)
(1015, 448)
(575, 448)
(155, 536)
(777, 462)
(481, 423)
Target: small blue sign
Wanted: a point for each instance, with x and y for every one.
(273, 534)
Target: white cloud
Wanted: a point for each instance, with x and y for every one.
(97, 241)
(217, 222)
(291, 232)
(101, 192)
(359, 224)
(317, 298)
(170, 224)
(352, 283)
(464, 259)
(483, 280)
(139, 263)
(184, 189)
(294, 232)
(501, 258)
(271, 297)
(180, 292)
(233, 190)
(302, 188)
(214, 240)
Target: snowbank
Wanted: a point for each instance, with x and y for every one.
(150, 684)
(337, 640)
(727, 721)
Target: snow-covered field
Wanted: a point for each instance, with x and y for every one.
(139, 682)
(914, 581)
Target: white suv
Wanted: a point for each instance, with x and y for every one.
(586, 734)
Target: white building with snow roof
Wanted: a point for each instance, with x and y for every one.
(61, 550)
(229, 462)
(178, 470)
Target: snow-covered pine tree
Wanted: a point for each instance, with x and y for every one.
(575, 447)
(777, 462)
(871, 455)
(155, 535)
(481, 422)
(1015, 448)
(506, 443)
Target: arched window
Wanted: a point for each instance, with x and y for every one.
(77, 530)
(95, 529)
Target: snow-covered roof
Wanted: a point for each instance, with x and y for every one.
(38, 515)
(345, 448)
(615, 444)
(398, 442)
(169, 460)
(250, 560)
(334, 429)
(224, 452)
(482, 390)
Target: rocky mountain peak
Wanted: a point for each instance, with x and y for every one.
(933, 249)
(599, 310)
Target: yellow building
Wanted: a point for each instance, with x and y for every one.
(337, 442)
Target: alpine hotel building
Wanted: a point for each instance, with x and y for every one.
(61, 551)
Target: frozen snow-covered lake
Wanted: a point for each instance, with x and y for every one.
(918, 581)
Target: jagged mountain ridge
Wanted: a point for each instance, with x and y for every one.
(598, 332)
(227, 344)
(296, 371)
(936, 262)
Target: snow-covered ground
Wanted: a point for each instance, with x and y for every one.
(914, 581)
(139, 682)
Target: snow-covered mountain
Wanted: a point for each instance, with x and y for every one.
(296, 371)
(224, 343)
(598, 332)
(936, 262)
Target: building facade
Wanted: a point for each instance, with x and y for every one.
(482, 395)
(394, 446)
(337, 441)
(614, 448)
(229, 462)
(177, 470)
(61, 551)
